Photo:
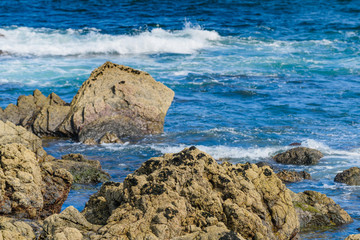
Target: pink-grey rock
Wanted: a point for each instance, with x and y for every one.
(119, 100)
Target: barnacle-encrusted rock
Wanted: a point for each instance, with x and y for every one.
(316, 210)
(288, 176)
(188, 195)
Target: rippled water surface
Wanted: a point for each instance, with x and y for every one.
(250, 77)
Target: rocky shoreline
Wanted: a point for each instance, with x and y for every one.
(184, 195)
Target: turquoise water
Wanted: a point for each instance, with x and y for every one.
(250, 77)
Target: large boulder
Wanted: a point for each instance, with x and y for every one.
(350, 176)
(316, 210)
(26, 189)
(299, 156)
(84, 171)
(37, 113)
(288, 176)
(190, 196)
(117, 100)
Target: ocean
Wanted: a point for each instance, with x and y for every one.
(250, 78)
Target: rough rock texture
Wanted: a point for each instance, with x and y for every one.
(37, 113)
(110, 138)
(189, 194)
(291, 176)
(350, 176)
(119, 100)
(316, 210)
(299, 156)
(68, 225)
(353, 237)
(11, 228)
(25, 190)
(83, 171)
(10, 133)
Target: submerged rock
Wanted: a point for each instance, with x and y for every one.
(299, 156)
(316, 210)
(84, 171)
(188, 195)
(350, 176)
(119, 100)
(27, 189)
(291, 176)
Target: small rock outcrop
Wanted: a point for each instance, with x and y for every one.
(350, 176)
(27, 190)
(69, 225)
(84, 171)
(37, 113)
(299, 156)
(316, 210)
(353, 237)
(188, 195)
(11, 228)
(292, 176)
(10, 133)
(118, 100)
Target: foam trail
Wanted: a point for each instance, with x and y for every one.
(48, 42)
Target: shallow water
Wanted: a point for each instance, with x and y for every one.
(250, 78)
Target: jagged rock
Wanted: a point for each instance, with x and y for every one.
(353, 237)
(350, 176)
(120, 100)
(291, 176)
(68, 225)
(316, 210)
(37, 113)
(11, 228)
(90, 141)
(83, 171)
(10, 133)
(25, 191)
(299, 156)
(110, 138)
(189, 194)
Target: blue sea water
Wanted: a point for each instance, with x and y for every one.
(250, 77)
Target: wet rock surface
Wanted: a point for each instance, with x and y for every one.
(188, 195)
(118, 100)
(288, 176)
(27, 189)
(316, 211)
(299, 156)
(84, 171)
(350, 176)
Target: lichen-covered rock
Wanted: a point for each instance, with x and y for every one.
(37, 113)
(68, 225)
(11, 228)
(84, 171)
(189, 194)
(316, 210)
(350, 176)
(299, 156)
(10, 133)
(288, 176)
(110, 138)
(120, 100)
(24, 190)
(353, 237)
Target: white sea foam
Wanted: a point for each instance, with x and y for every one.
(43, 41)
